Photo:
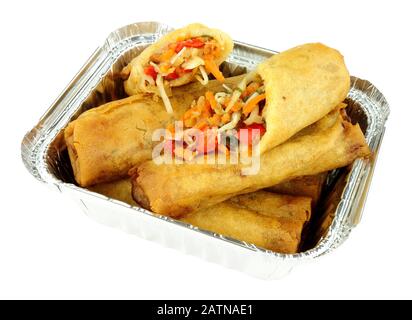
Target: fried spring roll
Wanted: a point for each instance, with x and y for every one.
(173, 189)
(276, 224)
(119, 190)
(306, 186)
(105, 142)
(176, 59)
(275, 205)
(302, 85)
(285, 94)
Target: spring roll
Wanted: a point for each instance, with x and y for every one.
(276, 224)
(176, 59)
(105, 142)
(275, 205)
(306, 186)
(177, 189)
(120, 190)
(285, 94)
(302, 85)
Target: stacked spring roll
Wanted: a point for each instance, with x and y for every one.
(306, 186)
(275, 224)
(268, 220)
(105, 142)
(285, 94)
(293, 100)
(175, 190)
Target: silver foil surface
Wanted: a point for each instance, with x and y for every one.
(98, 82)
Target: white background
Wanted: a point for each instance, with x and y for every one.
(50, 249)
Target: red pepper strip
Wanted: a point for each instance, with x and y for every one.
(191, 43)
(181, 71)
(151, 72)
(251, 133)
(172, 76)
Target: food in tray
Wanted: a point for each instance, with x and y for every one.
(293, 100)
(178, 189)
(120, 190)
(306, 186)
(271, 221)
(302, 85)
(105, 142)
(275, 224)
(183, 55)
(270, 104)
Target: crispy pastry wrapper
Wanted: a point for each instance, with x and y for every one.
(306, 186)
(105, 142)
(120, 190)
(177, 189)
(302, 86)
(134, 84)
(275, 223)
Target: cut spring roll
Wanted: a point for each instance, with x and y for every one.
(306, 186)
(302, 85)
(105, 142)
(275, 224)
(176, 59)
(174, 189)
(287, 92)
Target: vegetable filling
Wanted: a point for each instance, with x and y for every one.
(214, 122)
(179, 61)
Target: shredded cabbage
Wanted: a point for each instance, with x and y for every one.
(193, 63)
(236, 94)
(177, 55)
(155, 66)
(254, 117)
(220, 97)
(233, 123)
(163, 95)
(227, 88)
(204, 80)
(254, 94)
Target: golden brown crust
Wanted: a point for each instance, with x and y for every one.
(302, 85)
(306, 186)
(105, 142)
(120, 190)
(275, 205)
(176, 189)
(133, 83)
(268, 226)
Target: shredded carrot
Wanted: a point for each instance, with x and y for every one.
(206, 111)
(171, 128)
(202, 124)
(237, 106)
(211, 67)
(214, 121)
(210, 97)
(253, 103)
(226, 118)
(167, 55)
(251, 88)
(189, 123)
(165, 68)
(188, 114)
(227, 101)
